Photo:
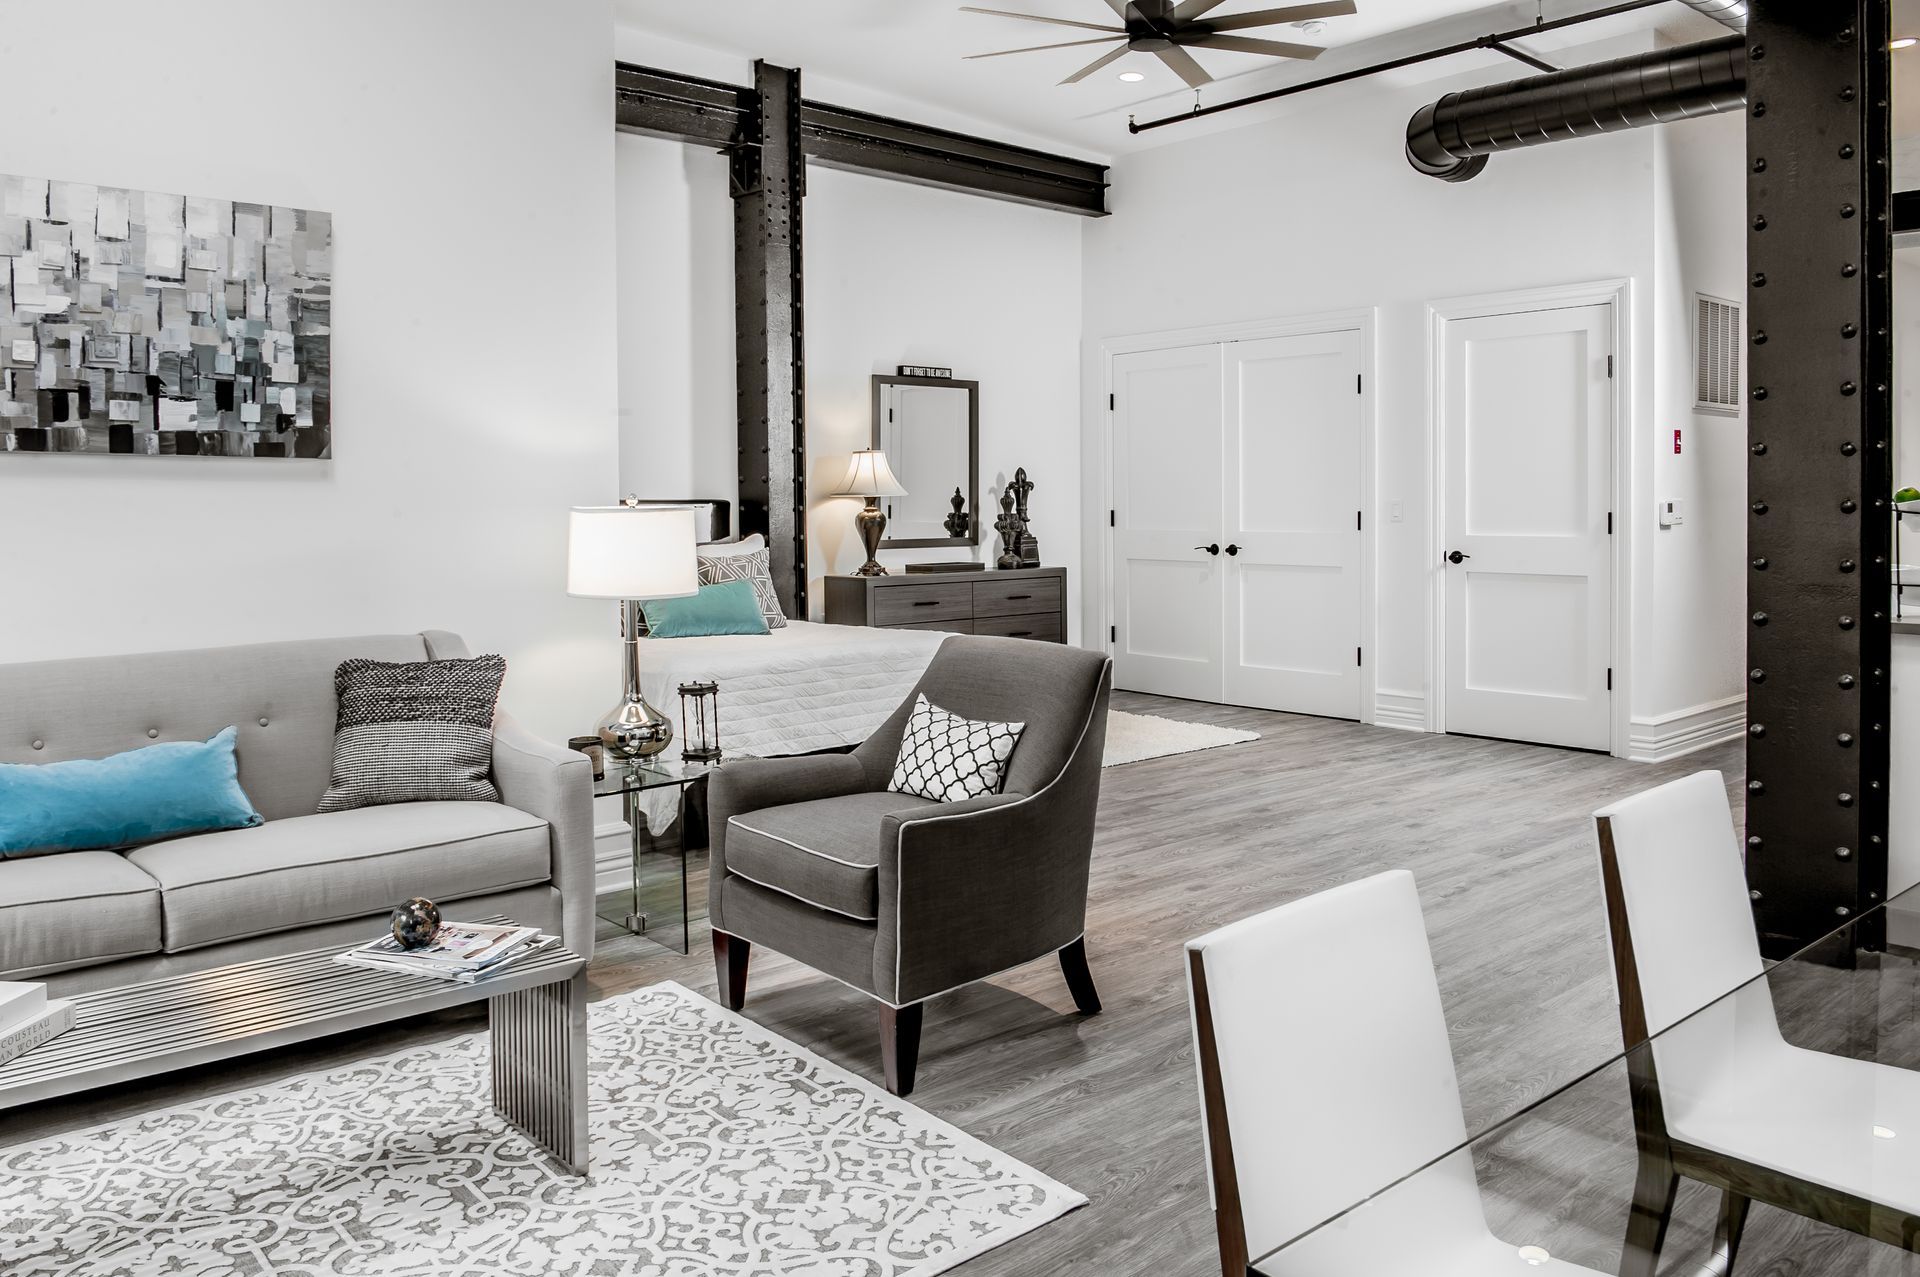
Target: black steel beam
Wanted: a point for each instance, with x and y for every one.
(682, 107)
(709, 113)
(768, 177)
(1819, 302)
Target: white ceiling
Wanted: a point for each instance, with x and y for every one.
(913, 51)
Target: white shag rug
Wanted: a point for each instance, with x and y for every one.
(719, 1150)
(1132, 738)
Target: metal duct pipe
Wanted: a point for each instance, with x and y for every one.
(1728, 13)
(1452, 138)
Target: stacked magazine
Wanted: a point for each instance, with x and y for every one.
(28, 1018)
(461, 951)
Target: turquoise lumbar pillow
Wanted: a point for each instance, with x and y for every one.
(160, 791)
(727, 608)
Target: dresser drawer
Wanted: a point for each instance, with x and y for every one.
(951, 627)
(913, 604)
(1048, 627)
(1016, 597)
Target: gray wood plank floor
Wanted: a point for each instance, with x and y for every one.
(1497, 833)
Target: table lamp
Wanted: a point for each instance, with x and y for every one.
(631, 552)
(869, 476)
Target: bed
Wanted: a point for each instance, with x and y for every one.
(795, 690)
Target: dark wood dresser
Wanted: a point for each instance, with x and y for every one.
(1017, 603)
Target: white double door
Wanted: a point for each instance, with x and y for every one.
(1237, 499)
(1527, 438)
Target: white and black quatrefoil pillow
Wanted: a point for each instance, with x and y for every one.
(949, 758)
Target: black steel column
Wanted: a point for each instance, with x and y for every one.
(1819, 533)
(769, 180)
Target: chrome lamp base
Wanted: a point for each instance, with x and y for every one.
(633, 728)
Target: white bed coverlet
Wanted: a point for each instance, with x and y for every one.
(796, 690)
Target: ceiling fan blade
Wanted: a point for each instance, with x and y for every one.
(1065, 44)
(1119, 8)
(1183, 65)
(1033, 17)
(1247, 44)
(1095, 65)
(1292, 13)
(1188, 10)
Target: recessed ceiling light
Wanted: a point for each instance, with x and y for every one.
(1882, 1133)
(1905, 42)
(1132, 77)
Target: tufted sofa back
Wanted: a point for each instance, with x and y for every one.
(280, 696)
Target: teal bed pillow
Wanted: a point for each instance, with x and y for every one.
(159, 791)
(730, 607)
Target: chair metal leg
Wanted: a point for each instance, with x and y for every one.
(1653, 1193)
(1726, 1234)
(1073, 965)
(730, 956)
(900, 1045)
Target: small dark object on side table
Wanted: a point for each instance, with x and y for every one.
(416, 922)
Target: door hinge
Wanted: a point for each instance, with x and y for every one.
(1110, 521)
(1609, 367)
(1110, 403)
(1609, 523)
(1113, 634)
(1356, 519)
(889, 414)
(1609, 678)
(1358, 382)
(1356, 656)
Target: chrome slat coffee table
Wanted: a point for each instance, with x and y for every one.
(536, 1014)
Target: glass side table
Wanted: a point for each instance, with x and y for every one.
(656, 906)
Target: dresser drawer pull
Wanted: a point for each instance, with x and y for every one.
(1019, 633)
(1011, 597)
(926, 602)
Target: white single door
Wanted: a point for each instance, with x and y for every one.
(1527, 438)
(1294, 489)
(1166, 513)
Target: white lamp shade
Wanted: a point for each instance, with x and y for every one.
(869, 475)
(632, 552)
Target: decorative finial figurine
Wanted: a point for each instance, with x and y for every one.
(1029, 550)
(958, 522)
(1007, 525)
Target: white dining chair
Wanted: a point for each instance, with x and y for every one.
(1721, 1097)
(1325, 1075)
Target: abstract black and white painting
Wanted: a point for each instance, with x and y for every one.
(140, 324)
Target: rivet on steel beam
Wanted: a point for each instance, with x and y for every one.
(1759, 618)
(1759, 336)
(1846, 151)
(1848, 506)
(1849, 331)
(1846, 622)
(1847, 94)
(1759, 507)
(1757, 52)
(1753, 842)
(1846, 565)
(1848, 388)
(1842, 911)
(1760, 222)
(1759, 449)
(1759, 392)
(1759, 279)
(1756, 729)
(1844, 740)
(1849, 270)
(1759, 163)
(1754, 894)
(1757, 675)
(1846, 682)
(1756, 787)
(1847, 449)
(1760, 564)
(1846, 800)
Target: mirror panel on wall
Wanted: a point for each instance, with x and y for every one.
(929, 428)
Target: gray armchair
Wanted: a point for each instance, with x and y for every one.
(904, 898)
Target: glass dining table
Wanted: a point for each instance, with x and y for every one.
(1807, 1076)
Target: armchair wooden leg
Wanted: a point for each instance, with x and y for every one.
(730, 954)
(1073, 965)
(1653, 1194)
(900, 1045)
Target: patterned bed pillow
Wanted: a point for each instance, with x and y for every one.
(421, 731)
(751, 565)
(949, 758)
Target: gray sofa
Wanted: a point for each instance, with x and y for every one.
(904, 898)
(99, 919)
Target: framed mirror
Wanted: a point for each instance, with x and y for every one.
(929, 427)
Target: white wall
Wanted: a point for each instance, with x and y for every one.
(1317, 211)
(895, 274)
(465, 150)
(1695, 603)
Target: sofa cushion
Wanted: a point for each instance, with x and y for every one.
(75, 910)
(312, 869)
(825, 852)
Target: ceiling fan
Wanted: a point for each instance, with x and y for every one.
(1168, 29)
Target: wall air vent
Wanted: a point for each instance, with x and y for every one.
(1717, 338)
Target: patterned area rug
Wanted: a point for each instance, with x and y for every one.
(718, 1149)
(1133, 738)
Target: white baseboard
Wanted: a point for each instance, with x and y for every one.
(1404, 710)
(1668, 736)
(612, 856)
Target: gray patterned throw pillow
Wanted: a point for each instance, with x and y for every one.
(421, 731)
(755, 567)
(949, 758)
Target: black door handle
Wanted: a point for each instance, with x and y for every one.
(1213, 549)
(1233, 549)
(1456, 556)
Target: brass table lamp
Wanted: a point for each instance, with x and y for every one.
(869, 476)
